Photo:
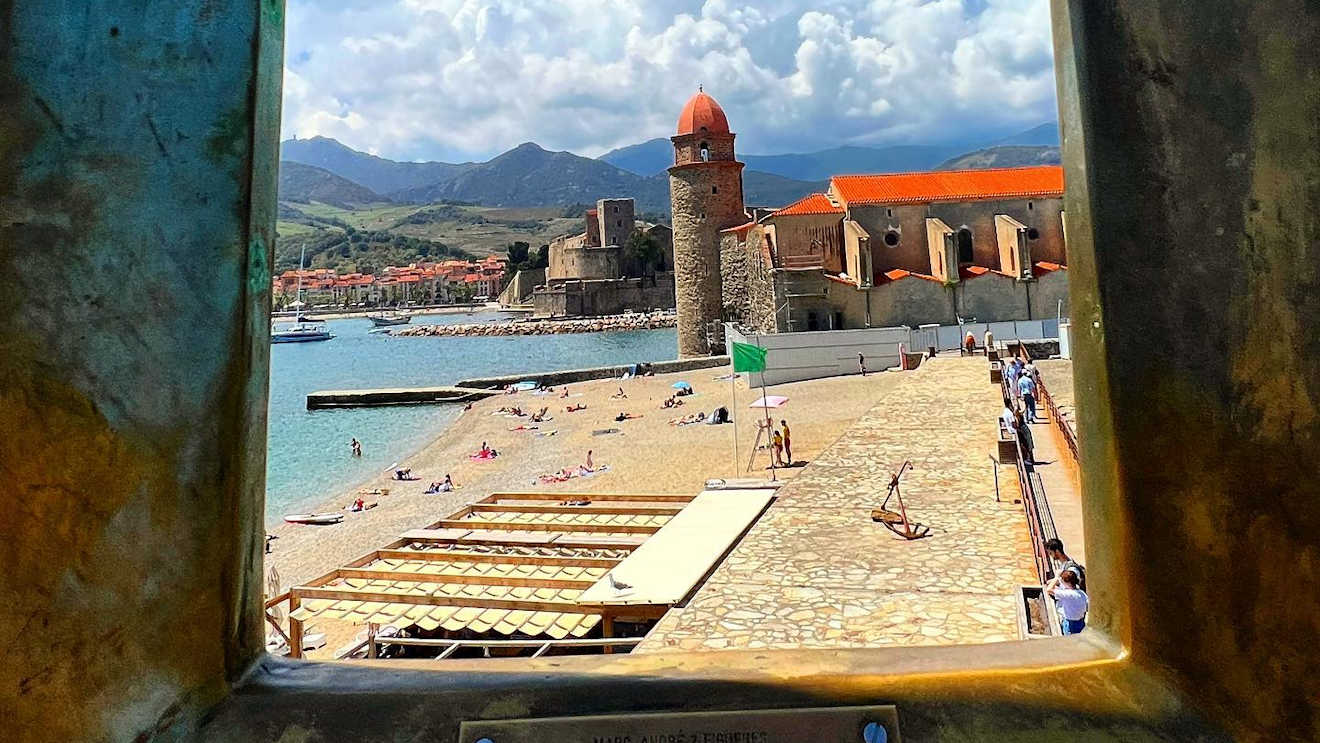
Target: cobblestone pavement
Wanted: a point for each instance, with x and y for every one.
(815, 571)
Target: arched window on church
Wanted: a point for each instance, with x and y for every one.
(705, 152)
(965, 253)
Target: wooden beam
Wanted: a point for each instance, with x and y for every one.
(455, 556)
(482, 580)
(614, 510)
(593, 497)
(446, 536)
(477, 525)
(334, 594)
(586, 541)
(295, 627)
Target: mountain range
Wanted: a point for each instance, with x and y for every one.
(531, 176)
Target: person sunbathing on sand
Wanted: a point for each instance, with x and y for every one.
(575, 408)
(565, 393)
(625, 416)
(620, 395)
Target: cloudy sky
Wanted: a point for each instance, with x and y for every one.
(463, 80)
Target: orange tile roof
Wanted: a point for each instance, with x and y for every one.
(1049, 267)
(702, 114)
(972, 272)
(816, 203)
(899, 274)
(741, 230)
(1045, 181)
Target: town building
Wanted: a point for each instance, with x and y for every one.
(594, 272)
(872, 251)
(444, 282)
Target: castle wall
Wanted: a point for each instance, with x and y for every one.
(616, 220)
(603, 297)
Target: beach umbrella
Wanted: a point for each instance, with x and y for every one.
(682, 386)
(769, 401)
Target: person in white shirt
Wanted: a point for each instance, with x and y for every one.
(1006, 418)
(1072, 601)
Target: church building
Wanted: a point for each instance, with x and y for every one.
(876, 250)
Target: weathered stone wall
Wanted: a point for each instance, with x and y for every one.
(604, 297)
(991, 297)
(908, 223)
(913, 251)
(1042, 215)
(749, 288)
(616, 221)
(705, 198)
(913, 302)
(810, 240)
(522, 285)
(1046, 292)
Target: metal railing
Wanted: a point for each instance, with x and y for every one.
(1040, 522)
(1068, 436)
(447, 648)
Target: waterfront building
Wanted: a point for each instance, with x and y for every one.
(444, 282)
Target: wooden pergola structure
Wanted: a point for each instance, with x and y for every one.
(511, 564)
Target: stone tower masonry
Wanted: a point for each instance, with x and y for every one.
(706, 196)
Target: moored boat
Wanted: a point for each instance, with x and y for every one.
(387, 320)
(300, 333)
(314, 518)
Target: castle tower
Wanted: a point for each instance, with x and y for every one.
(706, 196)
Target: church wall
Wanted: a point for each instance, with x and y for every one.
(992, 297)
(1046, 292)
(797, 234)
(913, 302)
(979, 216)
(909, 222)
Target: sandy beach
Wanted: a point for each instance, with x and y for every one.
(646, 454)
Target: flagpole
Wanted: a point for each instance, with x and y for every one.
(765, 405)
(733, 406)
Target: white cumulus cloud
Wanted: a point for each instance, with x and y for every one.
(467, 79)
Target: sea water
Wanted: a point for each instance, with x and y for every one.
(308, 454)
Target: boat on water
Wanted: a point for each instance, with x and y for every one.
(304, 330)
(314, 518)
(387, 320)
(300, 333)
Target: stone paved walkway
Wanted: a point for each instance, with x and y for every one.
(815, 571)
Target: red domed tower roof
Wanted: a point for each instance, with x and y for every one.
(702, 113)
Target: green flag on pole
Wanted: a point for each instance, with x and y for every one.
(748, 358)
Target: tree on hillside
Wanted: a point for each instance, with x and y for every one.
(642, 253)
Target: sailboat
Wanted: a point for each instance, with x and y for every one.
(303, 330)
(386, 319)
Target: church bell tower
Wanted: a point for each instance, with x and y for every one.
(706, 196)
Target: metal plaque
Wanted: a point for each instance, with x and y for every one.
(874, 724)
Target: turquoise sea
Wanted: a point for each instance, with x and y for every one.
(308, 452)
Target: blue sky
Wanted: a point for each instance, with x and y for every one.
(460, 80)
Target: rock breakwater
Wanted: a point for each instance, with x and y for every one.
(636, 321)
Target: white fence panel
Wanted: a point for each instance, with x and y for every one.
(792, 357)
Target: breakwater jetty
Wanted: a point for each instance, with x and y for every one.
(635, 321)
(468, 390)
